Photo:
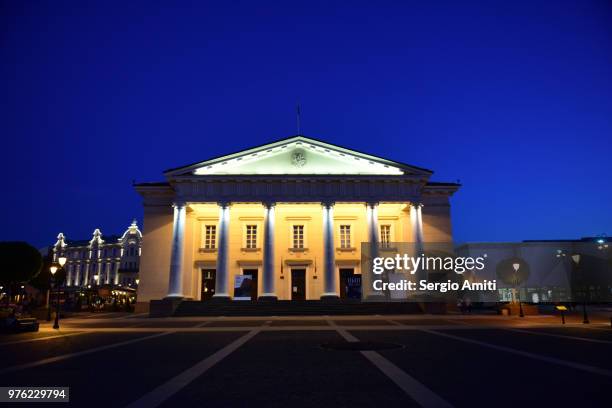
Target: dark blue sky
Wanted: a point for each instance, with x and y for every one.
(513, 99)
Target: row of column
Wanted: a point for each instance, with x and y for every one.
(175, 287)
(77, 272)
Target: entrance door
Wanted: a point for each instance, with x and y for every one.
(208, 283)
(345, 274)
(298, 284)
(254, 284)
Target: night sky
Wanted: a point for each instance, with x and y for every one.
(513, 99)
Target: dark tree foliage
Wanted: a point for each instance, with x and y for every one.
(19, 262)
(42, 280)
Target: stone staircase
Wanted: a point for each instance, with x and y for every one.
(294, 308)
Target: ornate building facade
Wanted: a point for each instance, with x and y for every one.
(291, 215)
(102, 260)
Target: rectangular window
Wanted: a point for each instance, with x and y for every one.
(345, 236)
(298, 236)
(251, 236)
(385, 236)
(210, 236)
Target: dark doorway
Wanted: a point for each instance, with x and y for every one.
(254, 277)
(208, 283)
(345, 274)
(298, 284)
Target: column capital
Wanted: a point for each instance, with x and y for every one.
(268, 204)
(416, 204)
(372, 204)
(328, 203)
(179, 203)
(224, 204)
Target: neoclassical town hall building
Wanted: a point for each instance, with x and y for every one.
(291, 214)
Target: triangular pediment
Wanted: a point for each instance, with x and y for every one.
(294, 156)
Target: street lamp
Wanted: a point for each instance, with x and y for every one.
(585, 317)
(56, 323)
(516, 267)
(53, 269)
(62, 261)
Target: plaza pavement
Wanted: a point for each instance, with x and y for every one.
(117, 360)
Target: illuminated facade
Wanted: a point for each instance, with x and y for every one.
(102, 260)
(291, 214)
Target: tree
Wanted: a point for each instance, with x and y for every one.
(42, 279)
(19, 262)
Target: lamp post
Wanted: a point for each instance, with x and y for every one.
(62, 261)
(52, 269)
(516, 267)
(585, 316)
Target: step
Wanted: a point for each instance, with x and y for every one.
(287, 308)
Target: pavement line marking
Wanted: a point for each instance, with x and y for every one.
(79, 353)
(552, 360)
(203, 323)
(41, 338)
(415, 390)
(160, 394)
(395, 323)
(561, 336)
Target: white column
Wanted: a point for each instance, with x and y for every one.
(86, 278)
(117, 263)
(373, 228)
(69, 277)
(268, 254)
(107, 273)
(175, 286)
(374, 252)
(419, 227)
(222, 273)
(416, 222)
(329, 264)
(77, 274)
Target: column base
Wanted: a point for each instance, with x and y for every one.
(266, 297)
(221, 297)
(330, 297)
(164, 307)
(174, 297)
